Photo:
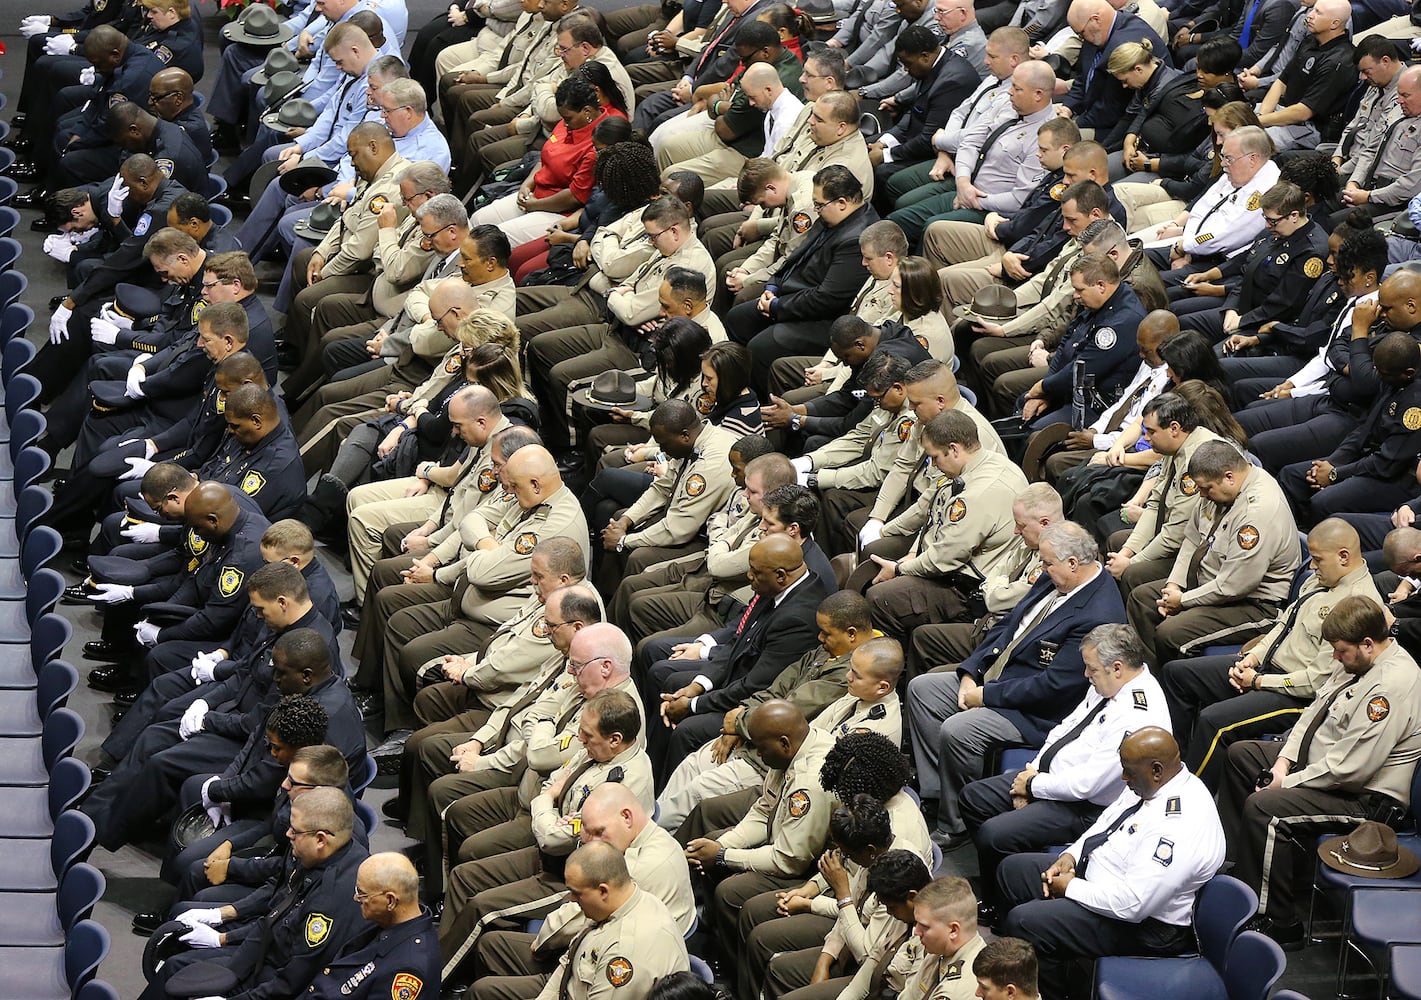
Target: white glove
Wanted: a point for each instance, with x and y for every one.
(59, 246)
(1416, 45)
(101, 331)
(111, 593)
(207, 803)
(59, 324)
(143, 531)
(220, 815)
(109, 314)
(204, 668)
(200, 918)
(871, 532)
(202, 936)
(87, 76)
(147, 633)
(192, 723)
(118, 194)
(35, 24)
(133, 385)
(136, 468)
(60, 45)
(149, 448)
(803, 465)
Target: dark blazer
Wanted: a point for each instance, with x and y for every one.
(774, 637)
(1096, 98)
(1045, 677)
(820, 279)
(950, 82)
(1165, 117)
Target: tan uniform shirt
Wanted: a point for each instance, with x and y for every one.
(1020, 570)
(850, 715)
(555, 818)
(795, 218)
(942, 977)
(622, 957)
(1151, 539)
(1370, 735)
(538, 60)
(617, 250)
(504, 755)
(350, 245)
(477, 485)
(517, 653)
(842, 464)
(1298, 660)
(400, 262)
(785, 830)
(676, 506)
(543, 103)
(911, 468)
(970, 529)
(499, 63)
(1252, 547)
(637, 299)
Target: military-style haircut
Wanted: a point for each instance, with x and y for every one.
(278, 579)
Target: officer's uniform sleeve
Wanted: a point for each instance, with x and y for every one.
(906, 465)
(1151, 883)
(548, 747)
(223, 606)
(870, 472)
(1397, 455)
(911, 520)
(354, 245)
(1248, 546)
(1152, 541)
(1369, 734)
(1107, 347)
(1301, 271)
(801, 826)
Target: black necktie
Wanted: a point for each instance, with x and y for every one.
(1381, 152)
(1092, 842)
(1050, 753)
(567, 973)
(1288, 623)
(991, 140)
(1305, 747)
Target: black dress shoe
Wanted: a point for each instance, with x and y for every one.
(369, 704)
(23, 171)
(125, 699)
(1290, 937)
(19, 143)
(987, 915)
(110, 680)
(118, 715)
(144, 924)
(18, 122)
(102, 650)
(395, 809)
(76, 594)
(34, 198)
(350, 618)
(98, 775)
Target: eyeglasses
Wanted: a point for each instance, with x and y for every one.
(819, 206)
(576, 668)
(361, 897)
(156, 98)
(1273, 220)
(294, 833)
(220, 281)
(387, 112)
(554, 626)
(1227, 160)
(409, 202)
(293, 784)
(656, 236)
(562, 50)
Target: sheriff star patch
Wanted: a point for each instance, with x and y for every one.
(252, 483)
(525, 543)
(957, 510)
(1188, 486)
(1056, 191)
(619, 971)
(1254, 200)
(230, 580)
(905, 429)
(540, 627)
(1105, 338)
(1411, 419)
(453, 363)
(1313, 267)
(487, 480)
(1378, 708)
(1247, 537)
(801, 222)
(798, 803)
(695, 485)
(406, 987)
(318, 928)
(377, 204)
(1164, 851)
(705, 403)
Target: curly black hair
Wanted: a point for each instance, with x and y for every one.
(861, 823)
(1312, 171)
(298, 720)
(627, 174)
(894, 874)
(864, 763)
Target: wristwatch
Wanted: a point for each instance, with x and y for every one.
(796, 421)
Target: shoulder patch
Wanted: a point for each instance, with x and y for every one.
(1254, 200)
(799, 802)
(452, 364)
(1105, 338)
(801, 222)
(705, 403)
(230, 580)
(1057, 190)
(525, 543)
(144, 223)
(196, 544)
(695, 485)
(198, 308)
(164, 54)
(1378, 708)
(1188, 486)
(1164, 851)
(1411, 419)
(1141, 702)
(1247, 537)
(488, 479)
(540, 627)
(620, 971)
(957, 510)
(318, 928)
(1313, 267)
(165, 166)
(377, 204)
(905, 429)
(406, 986)
(253, 482)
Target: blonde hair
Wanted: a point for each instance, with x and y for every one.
(1128, 55)
(179, 7)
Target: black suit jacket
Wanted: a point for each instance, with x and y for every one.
(950, 82)
(773, 638)
(1097, 98)
(820, 279)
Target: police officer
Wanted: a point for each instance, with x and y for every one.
(933, 557)
(398, 954)
(1373, 468)
(1077, 771)
(1248, 695)
(281, 936)
(1102, 335)
(1235, 563)
(939, 962)
(171, 98)
(1350, 753)
(495, 581)
(134, 130)
(1387, 177)
(259, 456)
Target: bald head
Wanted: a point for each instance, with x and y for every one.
(1330, 17)
(210, 510)
(532, 475)
(1035, 75)
(778, 719)
(612, 814)
(389, 872)
(1335, 533)
(1149, 758)
(1402, 550)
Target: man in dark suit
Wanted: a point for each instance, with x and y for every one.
(706, 678)
(814, 285)
(945, 79)
(1096, 98)
(1019, 682)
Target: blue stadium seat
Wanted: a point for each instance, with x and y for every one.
(13, 284)
(1379, 915)
(1405, 962)
(41, 919)
(39, 865)
(9, 187)
(25, 429)
(10, 250)
(27, 813)
(1255, 963)
(18, 351)
(18, 617)
(55, 973)
(9, 219)
(25, 760)
(21, 393)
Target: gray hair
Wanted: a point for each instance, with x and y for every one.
(407, 91)
(1042, 500)
(1253, 139)
(1115, 642)
(389, 68)
(1101, 236)
(426, 175)
(1070, 541)
(445, 209)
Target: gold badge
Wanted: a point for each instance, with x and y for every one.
(695, 485)
(221, 402)
(619, 971)
(1187, 486)
(525, 543)
(1247, 537)
(318, 928)
(905, 428)
(1056, 191)
(196, 544)
(1378, 708)
(801, 222)
(540, 627)
(798, 803)
(1313, 268)
(406, 987)
(705, 403)
(1411, 419)
(377, 204)
(453, 363)
(230, 581)
(487, 480)
(1254, 200)
(252, 483)
(957, 510)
